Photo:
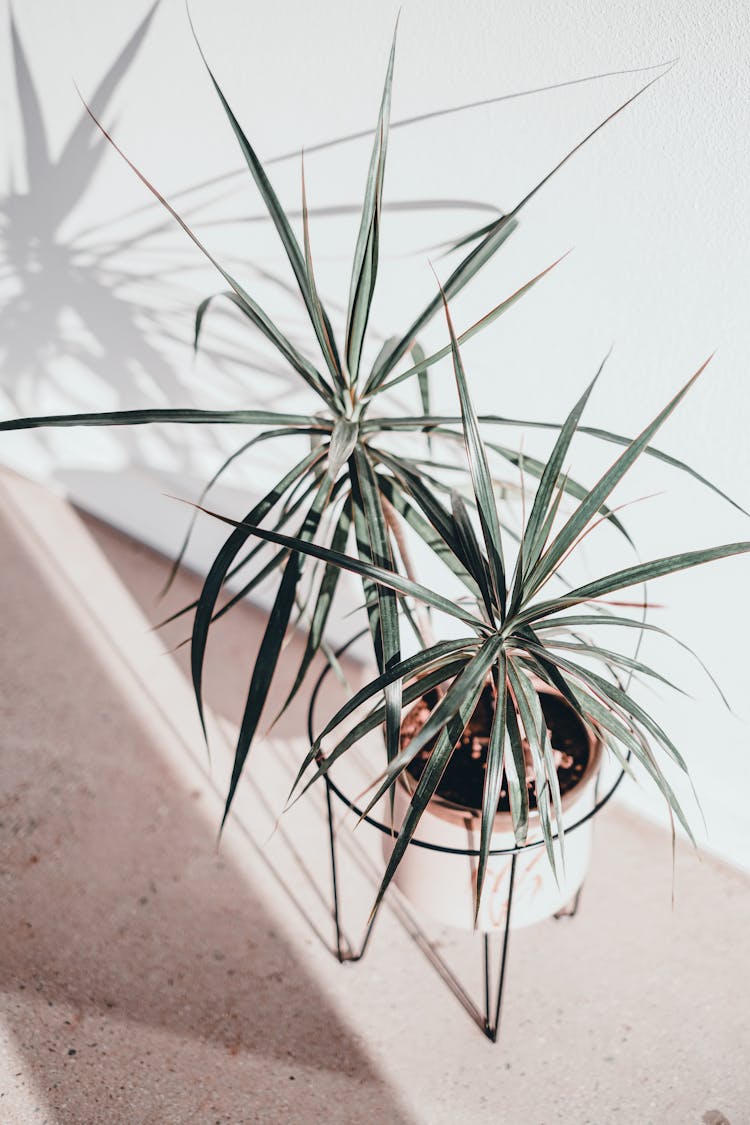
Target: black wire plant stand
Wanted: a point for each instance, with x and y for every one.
(489, 1015)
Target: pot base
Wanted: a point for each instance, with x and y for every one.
(443, 886)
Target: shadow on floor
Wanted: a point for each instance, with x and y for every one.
(169, 994)
(140, 569)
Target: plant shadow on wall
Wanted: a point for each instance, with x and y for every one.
(86, 311)
(72, 326)
(384, 479)
(75, 322)
(53, 276)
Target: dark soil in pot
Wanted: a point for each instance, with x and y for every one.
(462, 784)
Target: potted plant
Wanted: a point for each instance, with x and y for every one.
(349, 483)
(517, 711)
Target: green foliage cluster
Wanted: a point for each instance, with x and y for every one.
(351, 487)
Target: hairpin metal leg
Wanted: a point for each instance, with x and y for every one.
(334, 872)
(344, 951)
(571, 909)
(492, 1019)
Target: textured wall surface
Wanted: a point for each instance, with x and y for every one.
(97, 287)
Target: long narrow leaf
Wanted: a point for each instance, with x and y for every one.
(218, 571)
(529, 709)
(605, 714)
(424, 496)
(321, 322)
(364, 552)
(270, 646)
(410, 666)
(596, 496)
(437, 544)
(380, 552)
(418, 423)
(608, 619)
(621, 699)
(343, 440)
(480, 475)
(291, 506)
(497, 99)
(387, 578)
(566, 486)
(475, 673)
(323, 602)
(421, 363)
(545, 749)
(269, 434)
(493, 777)
(365, 266)
(614, 659)
(461, 275)
(248, 305)
(262, 321)
(146, 417)
(486, 249)
(631, 576)
(423, 381)
(476, 562)
(515, 771)
(533, 544)
(284, 516)
(289, 241)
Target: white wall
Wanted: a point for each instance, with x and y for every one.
(97, 302)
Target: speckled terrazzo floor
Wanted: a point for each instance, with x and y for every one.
(146, 977)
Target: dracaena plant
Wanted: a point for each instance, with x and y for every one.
(349, 477)
(515, 635)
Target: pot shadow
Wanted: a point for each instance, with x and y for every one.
(129, 944)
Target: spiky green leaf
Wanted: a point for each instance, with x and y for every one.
(493, 777)
(318, 318)
(480, 475)
(365, 265)
(366, 570)
(266, 661)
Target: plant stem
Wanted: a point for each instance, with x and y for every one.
(392, 519)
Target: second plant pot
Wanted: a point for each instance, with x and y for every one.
(442, 884)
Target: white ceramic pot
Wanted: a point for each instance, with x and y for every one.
(443, 886)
